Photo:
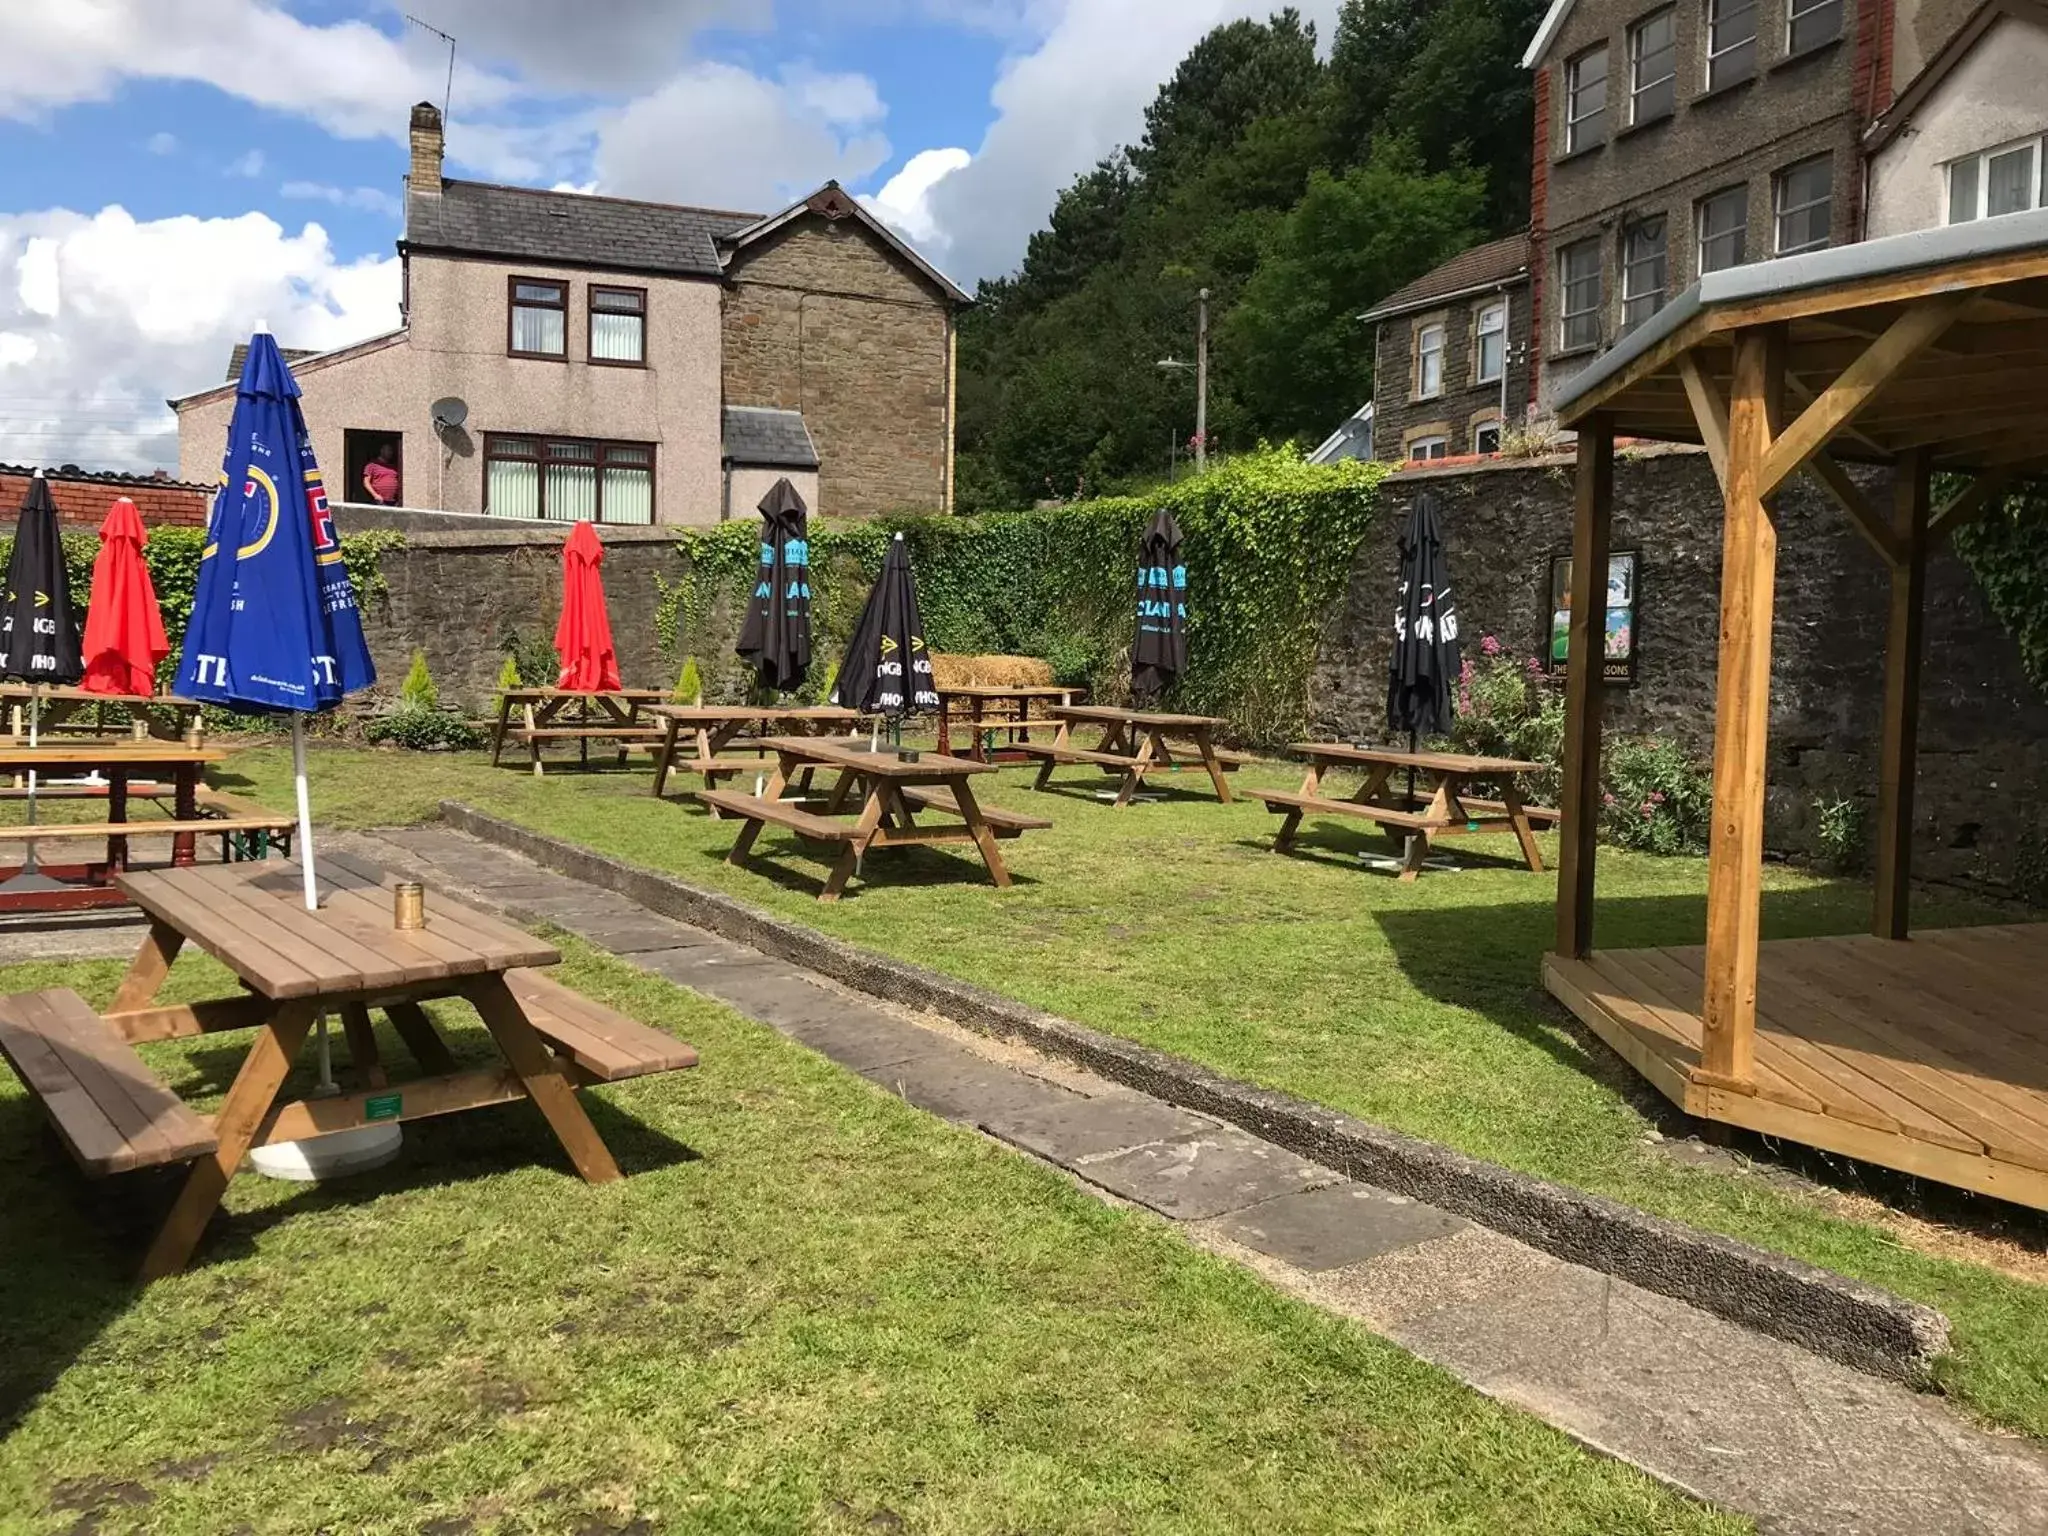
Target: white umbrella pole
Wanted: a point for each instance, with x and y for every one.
(305, 811)
(35, 704)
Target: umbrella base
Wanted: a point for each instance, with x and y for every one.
(330, 1157)
(31, 879)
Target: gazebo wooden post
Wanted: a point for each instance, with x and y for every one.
(1749, 553)
(1584, 689)
(1902, 652)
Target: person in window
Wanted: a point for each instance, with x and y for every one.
(380, 476)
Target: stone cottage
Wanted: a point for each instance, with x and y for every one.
(563, 356)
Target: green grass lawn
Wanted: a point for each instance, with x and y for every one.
(1414, 1006)
(808, 1307)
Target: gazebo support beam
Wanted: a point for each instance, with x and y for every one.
(1749, 553)
(1902, 652)
(1584, 689)
(1876, 531)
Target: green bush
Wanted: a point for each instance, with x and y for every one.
(419, 728)
(1655, 797)
(1268, 543)
(533, 656)
(690, 683)
(1841, 830)
(508, 675)
(418, 690)
(1508, 707)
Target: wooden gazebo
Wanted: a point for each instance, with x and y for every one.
(1926, 352)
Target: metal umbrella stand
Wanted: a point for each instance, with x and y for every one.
(1425, 662)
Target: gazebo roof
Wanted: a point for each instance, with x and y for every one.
(1934, 340)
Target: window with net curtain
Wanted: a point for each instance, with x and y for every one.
(540, 313)
(568, 480)
(618, 326)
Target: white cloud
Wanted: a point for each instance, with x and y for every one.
(249, 163)
(722, 136)
(101, 316)
(607, 46)
(161, 143)
(366, 199)
(1063, 106)
(904, 202)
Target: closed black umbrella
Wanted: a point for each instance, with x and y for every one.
(1161, 653)
(1425, 661)
(775, 636)
(38, 636)
(887, 670)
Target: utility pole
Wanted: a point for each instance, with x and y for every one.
(1173, 365)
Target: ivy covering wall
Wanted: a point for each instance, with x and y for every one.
(1268, 542)
(2007, 551)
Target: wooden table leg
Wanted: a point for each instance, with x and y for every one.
(1134, 775)
(117, 811)
(1059, 744)
(185, 778)
(945, 725)
(863, 833)
(979, 749)
(146, 972)
(504, 727)
(1525, 834)
(541, 1075)
(420, 1037)
(533, 718)
(984, 839)
(665, 756)
(1205, 744)
(263, 1072)
(362, 1046)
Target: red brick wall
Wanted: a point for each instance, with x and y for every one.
(83, 499)
(1875, 20)
(1539, 228)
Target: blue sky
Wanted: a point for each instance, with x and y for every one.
(176, 170)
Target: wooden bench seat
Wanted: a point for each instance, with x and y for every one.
(605, 1045)
(721, 765)
(1538, 815)
(1285, 800)
(1003, 823)
(137, 790)
(628, 733)
(111, 1110)
(55, 831)
(781, 813)
(1113, 760)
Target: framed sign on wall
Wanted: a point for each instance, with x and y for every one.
(1618, 650)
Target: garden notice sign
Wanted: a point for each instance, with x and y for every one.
(1618, 648)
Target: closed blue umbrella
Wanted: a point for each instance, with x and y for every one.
(275, 627)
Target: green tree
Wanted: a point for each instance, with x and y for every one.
(1294, 346)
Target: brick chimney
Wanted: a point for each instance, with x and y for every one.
(424, 179)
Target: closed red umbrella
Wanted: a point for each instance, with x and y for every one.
(124, 630)
(583, 637)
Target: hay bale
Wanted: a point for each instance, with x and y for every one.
(955, 671)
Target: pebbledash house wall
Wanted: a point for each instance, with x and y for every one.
(456, 345)
(1982, 798)
(821, 317)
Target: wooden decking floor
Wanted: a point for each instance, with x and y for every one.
(1928, 1056)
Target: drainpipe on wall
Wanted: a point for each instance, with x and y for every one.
(952, 404)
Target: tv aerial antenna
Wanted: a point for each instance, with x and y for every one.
(447, 91)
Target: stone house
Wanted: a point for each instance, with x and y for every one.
(1449, 375)
(1678, 138)
(1968, 138)
(563, 356)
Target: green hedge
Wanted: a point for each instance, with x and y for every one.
(1269, 544)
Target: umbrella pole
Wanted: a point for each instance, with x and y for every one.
(35, 705)
(305, 812)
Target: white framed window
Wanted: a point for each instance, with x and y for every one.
(1490, 343)
(1585, 99)
(1731, 42)
(1724, 230)
(1429, 360)
(1423, 449)
(1645, 271)
(1578, 287)
(1653, 66)
(1809, 23)
(2007, 179)
(1486, 438)
(1804, 197)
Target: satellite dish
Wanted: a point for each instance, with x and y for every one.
(450, 413)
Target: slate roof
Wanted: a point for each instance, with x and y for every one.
(1484, 266)
(240, 355)
(768, 439)
(570, 228)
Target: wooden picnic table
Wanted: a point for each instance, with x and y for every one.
(63, 710)
(616, 717)
(695, 737)
(120, 763)
(893, 792)
(296, 965)
(1450, 810)
(992, 707)
(1135, 744)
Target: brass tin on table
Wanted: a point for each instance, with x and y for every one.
(195, 734)
(138, 730)
(409, 905)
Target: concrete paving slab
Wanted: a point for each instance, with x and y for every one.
(1202, 1176)
(956, 1084)
(1068, 1132)
(870, 1048)
(633, 938)
(780, 998)
(1336, 1225)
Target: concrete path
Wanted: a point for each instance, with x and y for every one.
(1799, 1442)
